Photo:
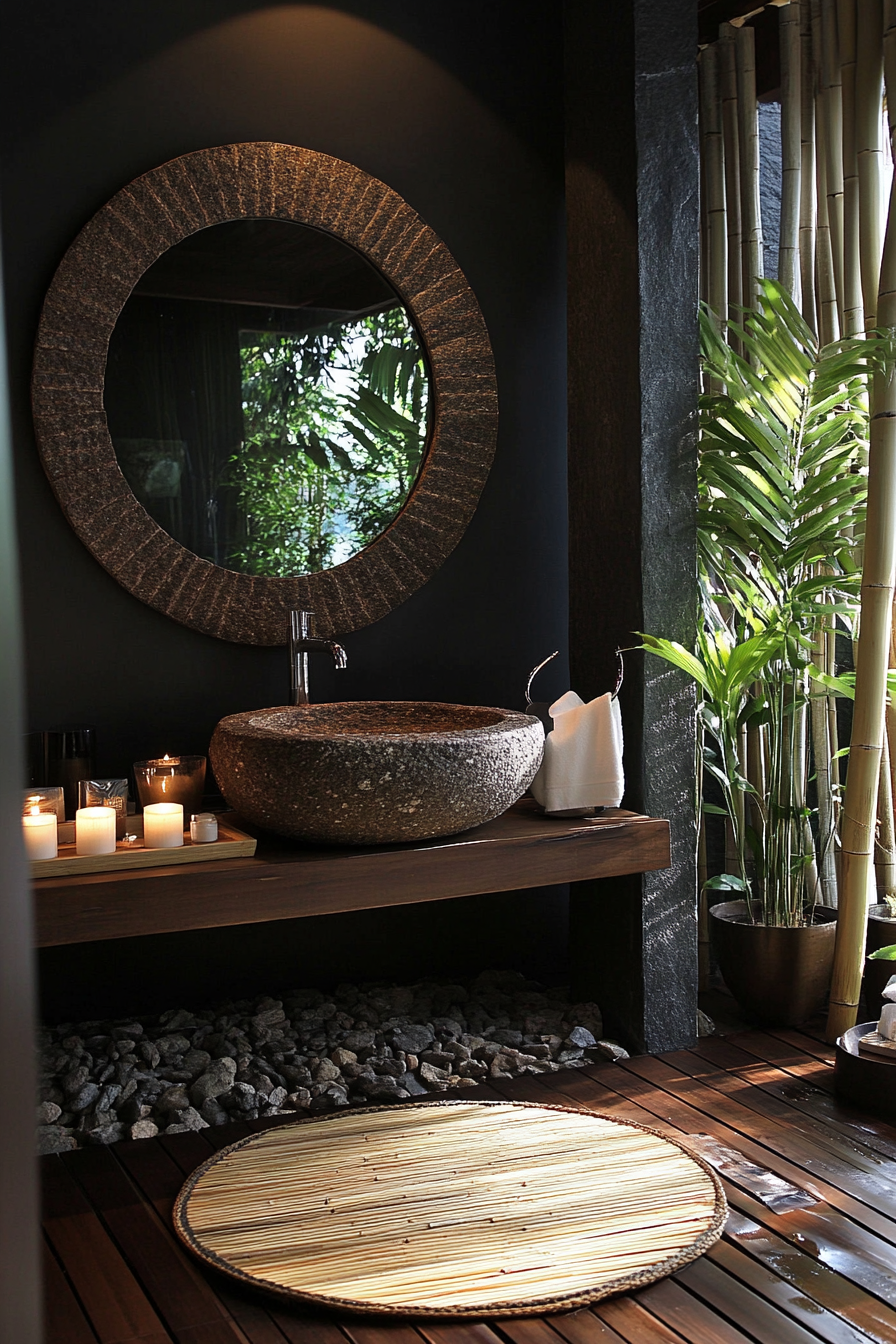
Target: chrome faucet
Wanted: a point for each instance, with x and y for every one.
(301, 643)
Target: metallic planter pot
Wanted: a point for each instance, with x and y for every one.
(779, 976)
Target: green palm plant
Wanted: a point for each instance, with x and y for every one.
(780, 523)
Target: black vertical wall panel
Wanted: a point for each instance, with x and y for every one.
(632, 175)
(456, 105)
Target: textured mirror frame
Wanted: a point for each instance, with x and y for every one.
(91, 286)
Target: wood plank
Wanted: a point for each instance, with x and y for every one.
(579, 1327)
(467, 1332)
(159, 1178)
(384, 1331)
(823, 1233)
(823, 1273)
(287, 880)
(832, 1177)
(750, 1223)
(677, 1308)
(768, 1047)
(741, 1087)
(64, 1321)
(812, 1278)
(801, 1095)
(461, 1332)
(810, 1044)
(734, 1300)
(634, 1323)
(111, 1296)
(169, 1276)
(829, 1325)
(303, 1326)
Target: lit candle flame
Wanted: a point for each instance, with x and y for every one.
(35, 811)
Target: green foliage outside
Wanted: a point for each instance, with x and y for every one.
(335, 424)
(781, 515)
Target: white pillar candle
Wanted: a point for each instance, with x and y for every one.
(39, 829)
(163, 825)
(95, 830)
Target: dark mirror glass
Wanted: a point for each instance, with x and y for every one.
(268, 397)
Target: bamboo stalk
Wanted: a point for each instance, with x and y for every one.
(791, 158)
(832, 102)
(853, 308)
(702, 911)
(885, 847)
(890, 716)
(870, 150)
(748, 118)
(807, 169)
(828, 308)
(713, 160)
(874, 635)
(731, 146)
(821, 752)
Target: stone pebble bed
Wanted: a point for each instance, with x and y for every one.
(305, 1053)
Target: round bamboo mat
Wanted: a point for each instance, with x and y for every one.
(452, 1208)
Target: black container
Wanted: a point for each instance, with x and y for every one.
(63, 756)
(868, 1081)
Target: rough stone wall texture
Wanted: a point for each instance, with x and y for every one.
(633, 354)
(668, 227)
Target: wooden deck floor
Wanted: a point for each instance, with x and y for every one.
(115, 1274)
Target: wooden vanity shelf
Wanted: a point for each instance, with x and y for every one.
(288, 880)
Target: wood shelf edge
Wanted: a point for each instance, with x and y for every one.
(512, 853)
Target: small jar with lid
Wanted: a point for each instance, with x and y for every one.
(203, 828)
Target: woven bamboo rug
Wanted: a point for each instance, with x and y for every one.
(452, 1209)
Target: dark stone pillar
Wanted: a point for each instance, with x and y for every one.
(632, 184)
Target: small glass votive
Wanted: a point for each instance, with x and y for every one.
(173, 779)
(163, 826)
(95, 830)
(39, 830)
(203, 828)
(48, 798)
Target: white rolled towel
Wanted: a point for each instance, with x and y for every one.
(582, 764)
(887, 1024)
(890, 989)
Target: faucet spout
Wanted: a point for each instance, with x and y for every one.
(302, 642)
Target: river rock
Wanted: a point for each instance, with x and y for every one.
(217, 1079)
(413, 1038)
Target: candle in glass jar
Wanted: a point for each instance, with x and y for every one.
(39, 829)
(163, 826)
(95, 830)
(171, 779)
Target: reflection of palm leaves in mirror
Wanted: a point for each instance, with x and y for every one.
(335, 422)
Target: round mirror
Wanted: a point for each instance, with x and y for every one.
(262, 383)
(268, 397)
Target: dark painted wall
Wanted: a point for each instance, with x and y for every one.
(456, 105)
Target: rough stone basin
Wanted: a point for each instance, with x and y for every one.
(374, 772)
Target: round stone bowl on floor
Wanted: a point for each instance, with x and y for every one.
(374, 772)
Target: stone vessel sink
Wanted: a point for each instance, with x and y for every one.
(374, 772)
